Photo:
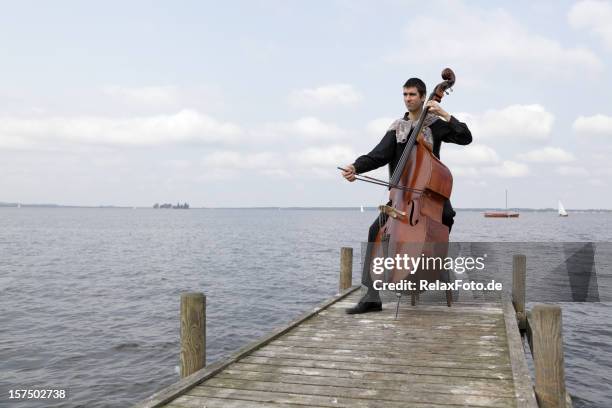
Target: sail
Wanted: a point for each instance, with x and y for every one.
(362, 208)
(562, 211)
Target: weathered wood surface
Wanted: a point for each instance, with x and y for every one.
(346, 268)
(193, 333)
(519, 278)
(432, 356)
(544, 333)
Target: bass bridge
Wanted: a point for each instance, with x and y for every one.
(392, 212)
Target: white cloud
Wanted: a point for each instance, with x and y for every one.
(147, 95)
(509, 169)
(313, 161)
(326, 95)
(464, 171)
(477, 154)
(477, 183)
(186, 126)
(572, 171)
(595, 17)
(307, 128)
(593, 125)
(329, 157)
(489, 40)
(505, 169)
(547, 155)
(229, 164)
(276, 173)
(379, 127)
(596, 182)
(511, 123)
(239, 160)
(109, 161)
(177, 164)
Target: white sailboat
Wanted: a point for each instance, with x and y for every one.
(562, 212)
(362, 208)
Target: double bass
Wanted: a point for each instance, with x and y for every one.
(411, 223)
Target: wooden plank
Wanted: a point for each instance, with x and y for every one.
(434, 351)
(475, 383)
(418, 333)
(405, 369)
(404, 316)
(520, 372)
(438, 347)
(374, 357)
(476, 359)
(406, 383)
(308, 400)
(440, 318)
(431, 322)
(167, 394)
(191, 401)
(320, 340)
(389, 347)
(406, 331)
(427, 320)
(368, 394)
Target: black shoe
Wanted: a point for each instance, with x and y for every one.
(365, 307)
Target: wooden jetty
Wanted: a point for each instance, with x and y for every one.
(470, 354)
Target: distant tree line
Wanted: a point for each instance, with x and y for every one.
(179, 206)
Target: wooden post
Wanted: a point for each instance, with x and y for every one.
(346, 268)
(193, 333)
(546, 325)
(519, 274)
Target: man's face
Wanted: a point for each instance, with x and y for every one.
(412, 99)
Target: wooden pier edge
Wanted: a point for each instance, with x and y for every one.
(523, 388)
(174, 390)
(549, 389)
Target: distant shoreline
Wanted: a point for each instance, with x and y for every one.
(480, 209)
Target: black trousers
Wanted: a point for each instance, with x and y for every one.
(448, 215)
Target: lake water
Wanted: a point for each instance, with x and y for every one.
(90, 297)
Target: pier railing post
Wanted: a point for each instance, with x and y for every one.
(346, 268)
(546, 326)
(193, 333)
(519, 274)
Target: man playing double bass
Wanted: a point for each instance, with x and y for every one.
(439, 126)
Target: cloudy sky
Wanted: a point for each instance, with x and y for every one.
(254, 103)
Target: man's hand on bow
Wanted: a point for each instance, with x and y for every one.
(349, 173)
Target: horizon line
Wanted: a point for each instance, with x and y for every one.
(369, 208)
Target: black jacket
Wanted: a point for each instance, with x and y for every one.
(388, 151)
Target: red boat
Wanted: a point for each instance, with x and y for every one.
(502, 214)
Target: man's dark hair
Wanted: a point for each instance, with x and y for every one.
(418, 84)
